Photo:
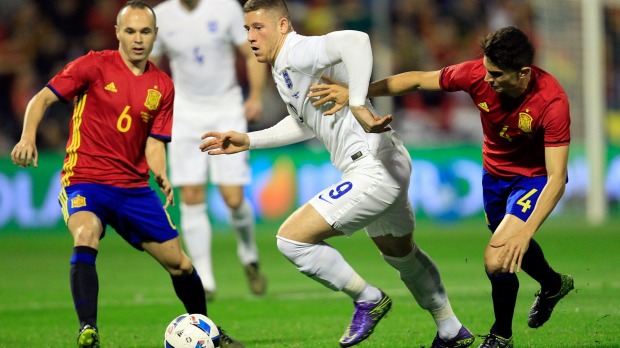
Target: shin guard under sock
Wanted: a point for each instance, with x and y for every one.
(189, 290)
(504, 293)
(84, 284)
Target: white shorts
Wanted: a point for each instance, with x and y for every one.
(372, 195)
(188, 165)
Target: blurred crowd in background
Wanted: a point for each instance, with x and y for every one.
(38, 37)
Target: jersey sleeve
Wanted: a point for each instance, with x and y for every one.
(457, 77)
(74, 78)
(556, 122)
(288, 131)
(162, 125)
(354, 50)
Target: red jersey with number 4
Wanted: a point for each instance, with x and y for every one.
(516, 130)
(114, 113)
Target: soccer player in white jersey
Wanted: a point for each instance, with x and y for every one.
(200, 38)
(376, 172)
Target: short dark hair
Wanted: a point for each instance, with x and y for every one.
(139, 4)
(509, 49)
(277, 5)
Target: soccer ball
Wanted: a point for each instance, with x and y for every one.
(192, 331)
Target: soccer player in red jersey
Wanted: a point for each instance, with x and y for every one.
(121, 120)
(525, 120)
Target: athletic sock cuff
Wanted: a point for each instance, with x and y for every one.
(84, 254)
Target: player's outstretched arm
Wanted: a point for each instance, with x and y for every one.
(25, 151)
(404, 83)
(230, 142)
(407, 82)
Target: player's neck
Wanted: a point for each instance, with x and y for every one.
(190, 4)
(523, 86)
(136, 67)
(281, 41)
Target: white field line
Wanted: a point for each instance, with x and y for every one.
(138, 300)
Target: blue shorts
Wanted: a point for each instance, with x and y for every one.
(516, 196)
(136, 214)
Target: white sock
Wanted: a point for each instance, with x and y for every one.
(242, 220)
(326, 265)
(196, 234)
(421, 276)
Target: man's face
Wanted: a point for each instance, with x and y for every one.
(504, 81)
(266, 32)
(136, 33)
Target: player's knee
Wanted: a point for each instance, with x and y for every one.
(179, 267)
(192, 195)
(86, 237)
(233, 202)
(494, 267)
(295, 252)
(285, 246)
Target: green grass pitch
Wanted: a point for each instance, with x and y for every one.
(137, 301)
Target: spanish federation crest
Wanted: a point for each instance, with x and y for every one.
(525, 122)
(152, 99)
(78, 201)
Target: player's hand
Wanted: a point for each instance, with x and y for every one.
(253, 110)
(166, 188)
(230, 142)
(331, 91)
(371, 123)
(513, 249)
(25, 153)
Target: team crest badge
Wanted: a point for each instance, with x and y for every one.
(287, 79)
(78, 201)
(152, 99)
(525, 122)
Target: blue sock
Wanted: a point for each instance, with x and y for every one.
(504, 294)
(190, 291)
(84, 284)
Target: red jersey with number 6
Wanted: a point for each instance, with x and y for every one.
(516, 130)
(114, 113)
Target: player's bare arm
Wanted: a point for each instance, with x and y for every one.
(404, 83)
(257, 76)
(335, 91)
(371, 123)
(230, 142)
(25, 151)
(514, 247)
(155, 152)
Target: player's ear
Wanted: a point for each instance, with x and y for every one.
(284, 25)
(525, 71)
